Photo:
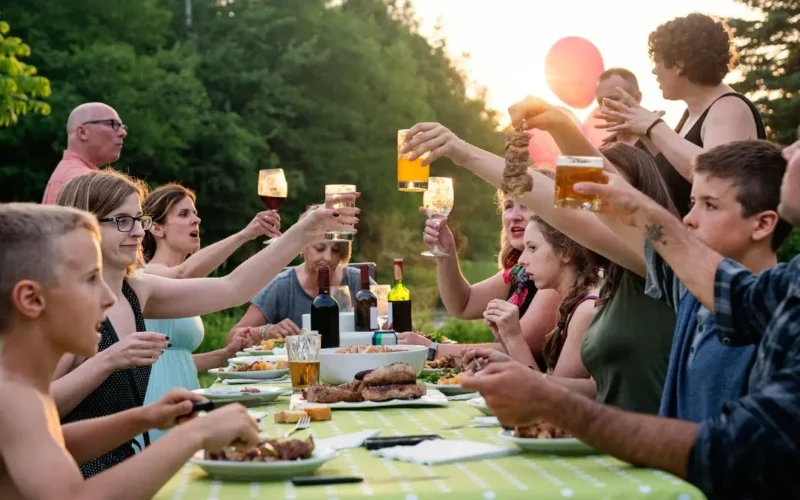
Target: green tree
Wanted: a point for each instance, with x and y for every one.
(21, 89)
(769, 51)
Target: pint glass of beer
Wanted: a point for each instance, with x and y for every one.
(303, 354)
(412, 176)
(571, 170)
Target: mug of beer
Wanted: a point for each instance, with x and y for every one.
(412, 176)
(303, 354)
(571, 170)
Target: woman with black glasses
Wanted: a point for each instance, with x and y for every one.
(116, 378)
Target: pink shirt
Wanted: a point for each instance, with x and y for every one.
(71, 164)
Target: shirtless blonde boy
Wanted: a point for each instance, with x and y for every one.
(52, 299)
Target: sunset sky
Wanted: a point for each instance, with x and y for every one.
(508, 39)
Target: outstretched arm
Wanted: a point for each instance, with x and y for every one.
(205, 260)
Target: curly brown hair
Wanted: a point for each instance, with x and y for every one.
(587, 266)
(702, 44)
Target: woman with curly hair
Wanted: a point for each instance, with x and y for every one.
(692, 55)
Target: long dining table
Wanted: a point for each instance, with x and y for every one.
(530, 476)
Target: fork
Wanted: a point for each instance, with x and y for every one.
(302, 424)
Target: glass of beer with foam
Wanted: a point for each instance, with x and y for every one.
(571, 170)
(412, 176)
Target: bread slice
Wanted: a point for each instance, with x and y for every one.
(316, 411)
(289, 416)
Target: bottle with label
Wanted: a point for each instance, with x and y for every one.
(366, 308)
(399, 302)
(325, 312)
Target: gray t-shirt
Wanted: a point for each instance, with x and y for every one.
(284, 297)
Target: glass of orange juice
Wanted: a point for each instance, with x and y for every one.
(412, 176)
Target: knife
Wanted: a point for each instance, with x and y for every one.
(322, 480)
(211, 405)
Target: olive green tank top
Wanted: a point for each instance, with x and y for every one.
(627, 346)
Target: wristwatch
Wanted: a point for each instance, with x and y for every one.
(432, 347)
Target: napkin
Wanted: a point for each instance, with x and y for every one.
(440, 451)
(348, 440)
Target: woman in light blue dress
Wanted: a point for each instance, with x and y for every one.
(172, 249)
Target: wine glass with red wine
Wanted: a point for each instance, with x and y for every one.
(272, 189)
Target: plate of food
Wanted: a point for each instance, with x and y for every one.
(255, 370)
(272, 460)
(480, 405)
(245, 360)
(437, 337)
(392, 385)
(438, 365)
(268, 346)
(340, 365)
(544, 437)
(225, 394)
(447, 381)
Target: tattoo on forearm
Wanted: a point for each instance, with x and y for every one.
(655, 233)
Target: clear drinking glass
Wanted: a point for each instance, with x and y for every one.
(342, 296)
(303, 354)
(412, 176)
(571, 170)
(382, 294)
(340, 235)
(272, 189)
(438, 203)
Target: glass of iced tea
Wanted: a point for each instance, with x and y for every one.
(303, 354)
(412, 176)
(571, 170)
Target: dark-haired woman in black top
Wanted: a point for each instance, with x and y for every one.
(692, 55)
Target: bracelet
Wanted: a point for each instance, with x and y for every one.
(650, 128)
(262, 332)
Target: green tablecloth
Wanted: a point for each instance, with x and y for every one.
(529, 476)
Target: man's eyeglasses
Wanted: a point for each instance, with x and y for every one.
(125, 222)
(114, 124)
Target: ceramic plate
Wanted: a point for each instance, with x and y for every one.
(265, 375)
(264, 394)
(480, 405)
(449, 390)
(431, 398)
(264, 471)
(563, 446)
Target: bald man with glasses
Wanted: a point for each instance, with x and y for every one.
(95, 134)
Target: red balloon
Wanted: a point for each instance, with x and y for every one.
(572, 67)
(595, 135)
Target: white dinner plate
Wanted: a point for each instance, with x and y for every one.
(431, 398)
(480, 405)
(563, 446)
(265, 375)
(246, 360)
(264, 394)
(449, 390)
(265, 471)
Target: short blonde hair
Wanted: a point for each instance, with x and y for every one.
(29, 248)
(345, 248)
(101, 192)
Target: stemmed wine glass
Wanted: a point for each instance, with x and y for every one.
(273, 190)
(438, 203)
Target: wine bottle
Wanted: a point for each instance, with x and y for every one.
(399, 302)
(366, 305)
(325, 312)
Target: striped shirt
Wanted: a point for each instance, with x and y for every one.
(752, 450)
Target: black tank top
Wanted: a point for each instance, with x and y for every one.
(679, 187)
(122, 390)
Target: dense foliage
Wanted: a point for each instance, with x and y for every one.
(314, 87)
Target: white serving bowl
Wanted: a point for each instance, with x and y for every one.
(338, 369)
